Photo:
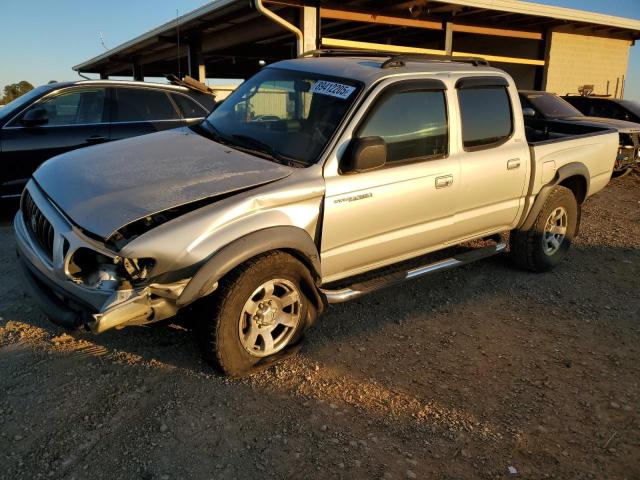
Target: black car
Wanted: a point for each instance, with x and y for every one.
(55, 118)
(606, 107)
(541, 107)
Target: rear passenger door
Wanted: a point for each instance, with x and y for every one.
(494, 158)
(139, 110)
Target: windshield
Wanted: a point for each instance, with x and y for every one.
(552, 106)
(284, 115)
(631, 105)
(22, 101)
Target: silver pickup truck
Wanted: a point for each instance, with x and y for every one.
(320, 179)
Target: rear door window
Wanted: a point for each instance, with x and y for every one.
(486, 116)
(413, 124)
(143, 105)
(188, 107)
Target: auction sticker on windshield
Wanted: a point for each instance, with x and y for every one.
(333, 89)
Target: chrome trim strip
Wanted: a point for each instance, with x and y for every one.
(135, 83)
(107, 123)
(350, 293)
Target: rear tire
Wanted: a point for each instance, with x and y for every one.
(545, 244)
(258, 311)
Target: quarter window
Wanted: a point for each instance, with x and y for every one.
(188, 107)
(412, 123)
(486, 116)
(143, 105)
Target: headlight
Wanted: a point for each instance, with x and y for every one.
(95, 270)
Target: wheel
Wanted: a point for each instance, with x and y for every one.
(257, 312)
(546, 243)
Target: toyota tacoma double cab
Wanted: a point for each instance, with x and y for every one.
(319, 180)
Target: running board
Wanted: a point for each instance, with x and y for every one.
(359, 289)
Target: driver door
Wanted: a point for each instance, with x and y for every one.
(75, 118)
(401, 210)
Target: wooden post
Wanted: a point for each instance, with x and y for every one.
(448, 38)
(309, 28)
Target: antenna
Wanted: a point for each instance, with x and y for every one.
(102, 41)
(178, 33)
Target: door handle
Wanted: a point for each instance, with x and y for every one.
(444, 181)
(96, 139)
(513, 164)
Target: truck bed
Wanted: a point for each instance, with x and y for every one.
(555, 144)
(543, 131)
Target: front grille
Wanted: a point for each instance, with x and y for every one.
(37, 224)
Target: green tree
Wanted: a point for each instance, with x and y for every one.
(14, 90)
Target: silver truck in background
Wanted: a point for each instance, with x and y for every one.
(318, 180)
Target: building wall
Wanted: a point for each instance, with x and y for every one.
(524, 75)
(575, 60)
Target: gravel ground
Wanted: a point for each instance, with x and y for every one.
(481, 372)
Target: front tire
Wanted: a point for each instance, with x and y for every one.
(546, 243)
(258, 312)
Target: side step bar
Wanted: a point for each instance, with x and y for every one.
(359, 289)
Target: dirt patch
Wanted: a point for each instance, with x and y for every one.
(482, 372)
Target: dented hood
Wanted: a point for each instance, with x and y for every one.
(106, 187)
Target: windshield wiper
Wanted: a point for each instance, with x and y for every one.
(267, 149)
(248, 145)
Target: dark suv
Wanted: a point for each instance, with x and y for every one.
(55, 118)
(606, 107)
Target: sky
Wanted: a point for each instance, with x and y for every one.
(41, 40)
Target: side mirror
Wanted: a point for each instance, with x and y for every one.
(528, 112)
(364, 154)
(35, 117)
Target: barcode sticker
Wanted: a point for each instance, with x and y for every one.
(333, 89)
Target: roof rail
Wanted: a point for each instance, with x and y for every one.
(395, 59)
(399, 60)
(345, 52)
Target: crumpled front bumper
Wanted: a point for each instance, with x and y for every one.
(142, 308)
(71, 305)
